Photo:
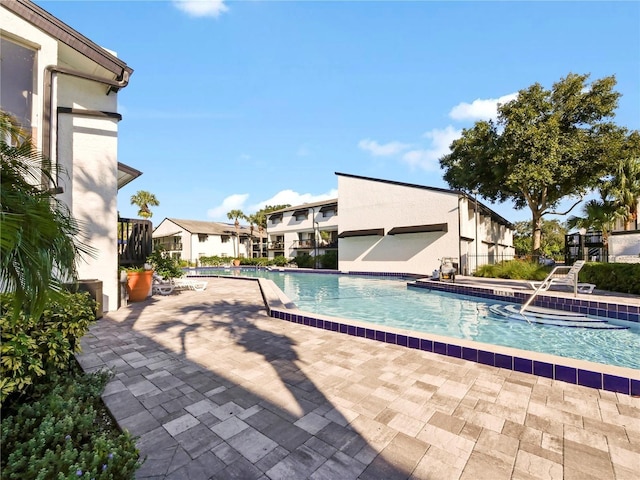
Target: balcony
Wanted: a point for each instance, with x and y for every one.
(134, 241)
(168, 246)
(275, 245)
(303, 244)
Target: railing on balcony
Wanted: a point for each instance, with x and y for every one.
(168, 245)
(275, 245)
(134, 241)
(303, 244)
(328, 243)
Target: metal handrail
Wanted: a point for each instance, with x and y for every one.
(546, 283)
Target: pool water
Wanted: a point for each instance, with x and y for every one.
(388, 301)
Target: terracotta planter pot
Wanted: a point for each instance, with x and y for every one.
(139, 285)
(236, 263)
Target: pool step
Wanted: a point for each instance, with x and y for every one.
(546, 316)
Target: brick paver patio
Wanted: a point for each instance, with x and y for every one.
(215, 389)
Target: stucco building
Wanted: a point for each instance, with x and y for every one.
(388, 226)
(310, 229)
(192, 239)
(62, 88)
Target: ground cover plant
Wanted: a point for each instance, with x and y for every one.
(64, 431)
(54, 424)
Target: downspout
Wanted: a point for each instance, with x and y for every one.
(48, 101)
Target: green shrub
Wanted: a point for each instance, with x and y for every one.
(280, 261)
(213, 261)
(514, 269)
(614, 277)
(304, 260)
(65, 432)
(32, 347)
(164, 264)
(329, 260)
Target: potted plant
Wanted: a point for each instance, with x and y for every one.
(139, 280)
(236, 262)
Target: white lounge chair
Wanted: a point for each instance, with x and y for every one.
(161, 286)
(189, 284)
(569, 279)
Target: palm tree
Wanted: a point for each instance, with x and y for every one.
(624, 188)
(38, 235)
(143, 199)
(235, 215)
(599, 215)
(256, 220)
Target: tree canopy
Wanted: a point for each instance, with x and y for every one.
(551, 242)
(545, 146)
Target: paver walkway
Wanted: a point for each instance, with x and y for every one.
(214, 388)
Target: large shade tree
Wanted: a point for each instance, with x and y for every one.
(545, 146)
(552, 239)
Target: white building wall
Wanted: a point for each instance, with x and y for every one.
(87, 150)
(309, 227)
(365, 204)
(213, 246)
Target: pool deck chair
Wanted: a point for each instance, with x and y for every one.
(189, 284)
(161, 286)
(166, 287)
(569, 279)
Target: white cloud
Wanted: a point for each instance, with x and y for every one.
(232, 202)
(201, 8)
(283, 197)
(391, 148)
(293, 198)
(480, 109)
(427, 159)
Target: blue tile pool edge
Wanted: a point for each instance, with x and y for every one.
(597, 307)
(278, 305)
(518, 363)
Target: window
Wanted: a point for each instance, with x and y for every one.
(202, 237)
(301, 214)
(224, 238)
(17, 79)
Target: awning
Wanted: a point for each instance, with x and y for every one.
(126, 174)
(362, 233)
(433, 227)
(329, 208)
(162, 235)
(275, 216)
(302, 211)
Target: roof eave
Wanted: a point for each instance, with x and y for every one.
(46, 22)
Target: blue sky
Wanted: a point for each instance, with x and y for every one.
(242, 104)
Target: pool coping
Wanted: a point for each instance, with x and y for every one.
(612, 378)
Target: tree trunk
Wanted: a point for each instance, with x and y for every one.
(536, 237)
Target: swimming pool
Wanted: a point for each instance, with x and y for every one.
(388, 302)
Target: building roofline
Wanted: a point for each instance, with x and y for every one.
(62, 32)
(481, 206)
(305, 205)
